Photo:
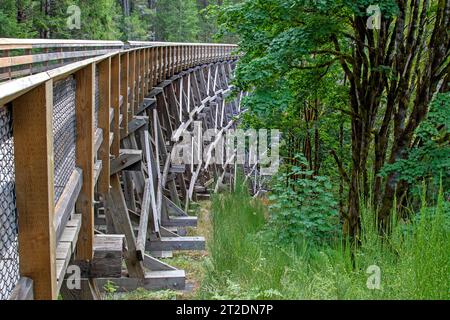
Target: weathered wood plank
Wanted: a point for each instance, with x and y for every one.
(98, 167)
(66, 247)
(23, 290)
(176, 210)
(154, 280)
(115, 97)
(107, 260)
(124, 84)
(137, 123)
(88, 291)
(176, 243)
(143, 223)
(180, 222)
(147, 103)
(66, 202)
(126, 159)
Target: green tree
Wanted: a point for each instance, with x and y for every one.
(176, 20)
(15, 19)
(390, 72)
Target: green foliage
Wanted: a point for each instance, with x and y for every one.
(304, 209)
(9, 24)
(414, 260)
(170, 20)
(177, 20)
(233, 212)
(135, 27)
(429, 158)
(100, 20)
(237, 252)
(278, 39)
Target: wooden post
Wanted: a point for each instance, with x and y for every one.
(197, 55)
(173, 63)
(161, 63)
(85, 101)
(178, 59)
(34, 171)
(169, 62)
(145, 51)
(183, 57)
(115, 101)
(148, 71)
(166, 73)
(104, 123)
(142, 73)
(119, 213)
(124, 84)
(138, 85)
(132, 66)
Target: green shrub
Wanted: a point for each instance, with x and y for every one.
(303, 209)
(414, 259)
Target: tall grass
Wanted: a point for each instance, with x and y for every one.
(244, 264)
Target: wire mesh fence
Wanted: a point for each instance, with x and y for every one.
(9, 257)
(64, 132)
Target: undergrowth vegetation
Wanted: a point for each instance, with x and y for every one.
(247, 262)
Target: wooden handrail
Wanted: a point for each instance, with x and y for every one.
(23, 57)
(9, 43)
(11, 89)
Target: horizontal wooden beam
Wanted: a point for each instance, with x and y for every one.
(134, 125)
(127, 158)
(154, 280)
(180, 222)
(66, 202)
(66, 247)
(148, 102)
(39, 58)
(176, 243)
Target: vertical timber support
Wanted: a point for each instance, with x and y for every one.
(104, 123)
(115, 101)
(33, 151)
(124, 84)
(85, 79)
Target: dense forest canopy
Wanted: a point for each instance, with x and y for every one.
(150, 20)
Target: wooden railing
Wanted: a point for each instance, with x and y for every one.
(23, 57)
(124, 79)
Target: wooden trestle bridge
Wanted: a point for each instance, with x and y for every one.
(86, 134)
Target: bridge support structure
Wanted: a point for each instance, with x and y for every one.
(93, 144)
